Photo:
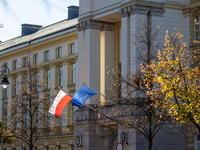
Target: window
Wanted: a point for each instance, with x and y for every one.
(35, 58)
(71, 147)
(48, 118)
(72, 114)
(26, 121)
(5, 93)
(46, 55)
(197, 142)
(197, 28)
(71, 48)
(73, 74)
(58, 147)
(60, 121)
(48, 79)
(36, 82)
(46, 148)
(25, 62)
(60, 76)
(58, 52)
(15, 86)
(14, 64)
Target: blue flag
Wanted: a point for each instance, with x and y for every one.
(81, 96)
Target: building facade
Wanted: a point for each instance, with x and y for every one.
(104, 37)
(70, 55)
(55, 49)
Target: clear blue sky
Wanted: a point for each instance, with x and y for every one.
(40, 12)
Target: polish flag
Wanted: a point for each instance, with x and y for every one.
(61, 100)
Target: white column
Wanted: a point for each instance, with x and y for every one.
(92, 57)
(133, 52)
(125, 41)
(81, 57)
(106, 58)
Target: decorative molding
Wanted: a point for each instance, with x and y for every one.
(139, 9)
(89, 24)
(71, 60)
(196, 10)
(45, 67)
(108, 27)
(58, 64)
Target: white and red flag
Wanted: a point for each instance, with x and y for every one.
(61, 100)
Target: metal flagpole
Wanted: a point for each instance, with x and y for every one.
(99, 92)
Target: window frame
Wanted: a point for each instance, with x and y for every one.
(48, 78)
(60, 76)
(70, 48)
(196, 141)
(45, 55)
(14, 86)
(58, 52)
(196, 24)
(5, 93)
(35, 58)
(14, 65)
(73, 74)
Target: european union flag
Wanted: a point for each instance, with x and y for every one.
(81, 96)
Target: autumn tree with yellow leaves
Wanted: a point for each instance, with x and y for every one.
(179, 82)
(7, 134)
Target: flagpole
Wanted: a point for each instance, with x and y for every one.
(99, 92)
(91, 107)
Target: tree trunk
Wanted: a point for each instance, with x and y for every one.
(150, 144)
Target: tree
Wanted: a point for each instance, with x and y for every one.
(137, 102)
(29, 114)
(179, 82)
(7, 134)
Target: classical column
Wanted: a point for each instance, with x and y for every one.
(125, 40)
(81, 54)
(106, 58)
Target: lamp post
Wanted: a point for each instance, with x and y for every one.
(4, 82)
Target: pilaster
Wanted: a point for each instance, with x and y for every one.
(91, 38)
(125, 40)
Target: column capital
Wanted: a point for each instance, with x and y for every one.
(81, 26)
(125, 12)
(108, 27)
(141, 9)
(89, 24)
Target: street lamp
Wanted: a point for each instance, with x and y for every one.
(4, 82)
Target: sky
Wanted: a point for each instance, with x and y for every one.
(13, 13)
